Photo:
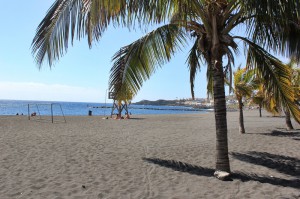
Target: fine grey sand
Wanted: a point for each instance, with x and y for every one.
(149, 156)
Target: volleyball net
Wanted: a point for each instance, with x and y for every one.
(46, 112)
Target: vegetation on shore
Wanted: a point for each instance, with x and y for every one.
(160, 102)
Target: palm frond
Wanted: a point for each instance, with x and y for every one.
(271, 104)
(274, 24)
(275, 74)
(193, 64)
(52, 35)
(135, 63)
(67, 19)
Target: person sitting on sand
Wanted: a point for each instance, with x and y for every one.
(33, 114)
(127, 116)
(119, 116)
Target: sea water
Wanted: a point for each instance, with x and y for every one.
(20, 107)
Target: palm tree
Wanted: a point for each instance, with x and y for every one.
(295, 80)
(296, 83)
(243, 87)
(274, 106)
(209, 24)
(266, 99)
(258, 97)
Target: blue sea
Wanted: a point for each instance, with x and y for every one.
(14, 107)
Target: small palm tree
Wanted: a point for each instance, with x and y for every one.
(268, 100)
(208, 24)
(258, 98)
(243, 87)
(295, 80)
(296, 83)
(264, 98)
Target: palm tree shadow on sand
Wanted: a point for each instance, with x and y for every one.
(293, 134)
(282, 164)
(137, 118)
(208, 172)
(283, 133)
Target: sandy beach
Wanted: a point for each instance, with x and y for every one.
(148, 156)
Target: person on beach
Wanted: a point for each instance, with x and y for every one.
(119, 116)
(127, 116)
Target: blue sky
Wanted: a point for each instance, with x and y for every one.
(81, 74)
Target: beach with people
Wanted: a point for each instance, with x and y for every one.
(147, 156)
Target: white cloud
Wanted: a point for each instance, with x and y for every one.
(49, 92)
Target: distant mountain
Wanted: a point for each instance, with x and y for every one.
(158, 102)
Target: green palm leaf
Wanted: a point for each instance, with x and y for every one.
(275, 74)
(52, 36)
(194, 64)
(67, 19)
(274, 24)
(135, 63)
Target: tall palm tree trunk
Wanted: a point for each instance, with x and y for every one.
(241, 118)
(222, 159)
(288, 121)
(260, 110)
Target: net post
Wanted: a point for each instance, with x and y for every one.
(28, 112)
(52, 112)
